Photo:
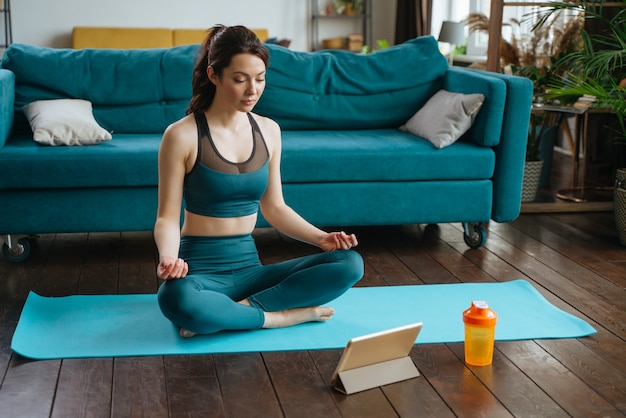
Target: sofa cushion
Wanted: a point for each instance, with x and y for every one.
(343, 90)
(132, 91)
(126, 160)
(378, 155)
(64, 122)
(308, 157)
(445, 117)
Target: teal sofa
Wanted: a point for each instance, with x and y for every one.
(344, 163)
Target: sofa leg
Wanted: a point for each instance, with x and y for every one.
(474, 234)
(15, 248)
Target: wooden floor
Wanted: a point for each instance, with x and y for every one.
(574, 259)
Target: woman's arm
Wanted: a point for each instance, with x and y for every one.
(173, 156)
(284, 218)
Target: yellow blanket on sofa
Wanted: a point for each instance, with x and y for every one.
(138, 38)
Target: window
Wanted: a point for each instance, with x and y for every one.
(477, 42)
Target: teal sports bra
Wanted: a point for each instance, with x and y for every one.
(223, 189)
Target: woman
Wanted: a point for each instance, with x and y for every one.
(224, 161)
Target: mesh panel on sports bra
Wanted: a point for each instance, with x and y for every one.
(209, 156)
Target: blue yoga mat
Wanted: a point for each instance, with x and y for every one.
(132, 325)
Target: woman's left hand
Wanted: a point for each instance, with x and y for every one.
(338, 241)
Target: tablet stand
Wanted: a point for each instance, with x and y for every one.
(373, 375)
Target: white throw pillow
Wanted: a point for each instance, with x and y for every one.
(445, 117)
(64, 122)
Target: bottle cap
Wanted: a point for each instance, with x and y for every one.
(480, 314)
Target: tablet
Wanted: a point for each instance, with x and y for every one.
(379, 347)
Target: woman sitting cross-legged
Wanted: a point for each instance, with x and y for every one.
(224, 161)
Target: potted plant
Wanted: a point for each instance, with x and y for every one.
(535, 55)
(597, 70)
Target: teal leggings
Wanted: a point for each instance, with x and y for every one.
(225, 270)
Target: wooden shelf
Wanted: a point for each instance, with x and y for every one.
(365, 18)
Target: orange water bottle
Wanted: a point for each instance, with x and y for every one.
(480, 328)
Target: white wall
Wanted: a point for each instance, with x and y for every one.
(49, 22)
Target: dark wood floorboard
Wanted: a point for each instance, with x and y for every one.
(138, 387)
(575, 260)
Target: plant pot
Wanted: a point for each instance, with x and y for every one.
(530, 183)
(619, 204)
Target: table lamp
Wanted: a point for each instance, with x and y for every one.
(452, 33)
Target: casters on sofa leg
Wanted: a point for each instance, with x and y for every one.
(15, 249)
(474, 234)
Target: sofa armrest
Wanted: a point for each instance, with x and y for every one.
(487, 126)
(511, 150)
(7, 101)
(514, 105)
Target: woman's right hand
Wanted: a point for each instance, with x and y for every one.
(172, 268)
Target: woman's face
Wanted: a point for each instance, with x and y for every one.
(242, 82)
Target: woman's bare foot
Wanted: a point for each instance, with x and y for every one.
(186, 334)
(286, 318)
(296, 316)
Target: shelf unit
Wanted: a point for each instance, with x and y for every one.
(5, 10)
(362, 19)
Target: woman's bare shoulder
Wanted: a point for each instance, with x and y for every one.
(271, 133)
(266, 123)
(181, 126)
(179, 142)
(183, 131)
